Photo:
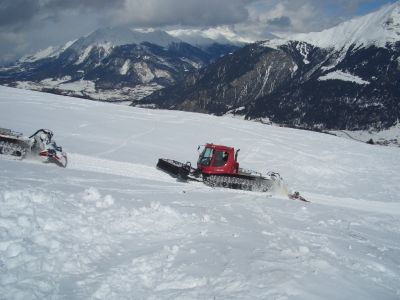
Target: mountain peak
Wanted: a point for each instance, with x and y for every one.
(392, 23)
(378, 28)
(117, 36)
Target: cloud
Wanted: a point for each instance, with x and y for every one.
(303, 15)
(282, 22)
(299, 15)
(30, 25)
(221, 34)
(19, 14)
(11, 44)
(183, 12)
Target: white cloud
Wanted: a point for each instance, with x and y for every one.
(182, 12)
(37, 24)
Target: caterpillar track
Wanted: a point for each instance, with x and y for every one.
(11, 150)
(13, 145)
(237, 183)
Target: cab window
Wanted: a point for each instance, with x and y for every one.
(205, 157)
(221, 157)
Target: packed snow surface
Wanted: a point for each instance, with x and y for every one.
(113, 226)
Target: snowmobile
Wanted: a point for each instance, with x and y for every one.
(14, 145)
(218, 166)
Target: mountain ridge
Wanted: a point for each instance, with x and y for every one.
(112, 64)
(299, 84)
(377, 28)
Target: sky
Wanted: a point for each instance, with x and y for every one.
(27, 26)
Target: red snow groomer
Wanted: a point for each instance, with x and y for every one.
(218, 166)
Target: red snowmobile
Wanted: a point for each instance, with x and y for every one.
(217, 166)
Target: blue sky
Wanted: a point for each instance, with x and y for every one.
(371, 6)
(29, 25)
(355, 8)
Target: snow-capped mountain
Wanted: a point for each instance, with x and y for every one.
(378, 29)
(112, 64)
(117, 36)
(220, 34)
(49, 52)
(346, 77)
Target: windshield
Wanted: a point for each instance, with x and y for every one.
(205, 157)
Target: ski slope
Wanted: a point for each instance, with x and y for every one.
(112, 226)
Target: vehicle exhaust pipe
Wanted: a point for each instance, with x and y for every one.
(236, 154)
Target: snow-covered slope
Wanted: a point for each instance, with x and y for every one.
(112, 226)
(377, 28)
(388, 137)
(46, 53)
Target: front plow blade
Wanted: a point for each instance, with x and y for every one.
(174, 168)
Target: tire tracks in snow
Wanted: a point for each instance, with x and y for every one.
(126, 141)
(371, 206)
(81, 162)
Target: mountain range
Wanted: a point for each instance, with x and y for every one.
(346, 77)
(112, 64)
